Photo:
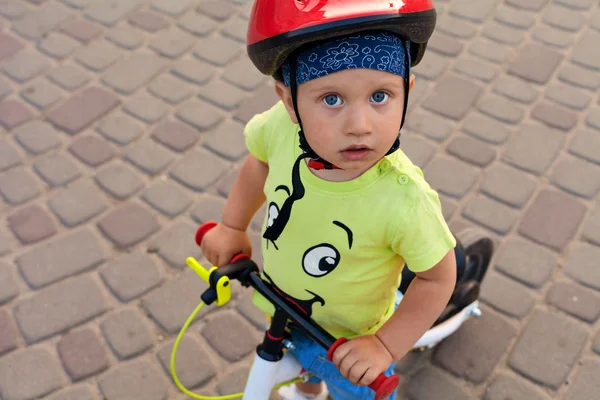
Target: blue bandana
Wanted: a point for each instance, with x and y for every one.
(381, 51)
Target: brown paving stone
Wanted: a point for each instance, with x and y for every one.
(554, 116)
(92, 150)
(575, 300)
(472, 151)
(148, 21)
(175, 135)
(9, 46)
(535, 63)
(13, 113)
(585, 384)
(83, 31)
(230, 335)
(194, 367)
(581, 264)
(128, 225)
(453, 97)
(82, 354)
(9, 339)
(31, 224)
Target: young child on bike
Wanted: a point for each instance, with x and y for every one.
(346, 208)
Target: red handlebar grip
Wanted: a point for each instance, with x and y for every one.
(203, 230)
(383, 386)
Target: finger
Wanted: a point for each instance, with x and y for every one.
(340, 353)
(346, 365)
(357, 371)
(369, 377)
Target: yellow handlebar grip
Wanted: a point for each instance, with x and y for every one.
(199, 269)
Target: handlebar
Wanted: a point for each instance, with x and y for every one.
(242, 268)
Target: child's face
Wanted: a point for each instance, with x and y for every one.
(350, 118)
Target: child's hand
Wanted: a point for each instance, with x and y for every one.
(221, 243)
(362, 359)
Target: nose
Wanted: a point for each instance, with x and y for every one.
(358, 121)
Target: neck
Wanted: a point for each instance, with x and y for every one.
(338, 175)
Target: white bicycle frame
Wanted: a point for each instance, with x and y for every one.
(264, 374)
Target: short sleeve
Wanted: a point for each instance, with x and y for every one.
(423, 237)
(255, 134)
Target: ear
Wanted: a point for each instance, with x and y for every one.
(411, 82)
(285, 95)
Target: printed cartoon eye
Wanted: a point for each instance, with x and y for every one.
(320, 260)
(332, 100)
(379, 97)
(273, 214)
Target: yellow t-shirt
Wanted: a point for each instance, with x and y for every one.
(340, 256)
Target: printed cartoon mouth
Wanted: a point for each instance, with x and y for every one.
(302, 306)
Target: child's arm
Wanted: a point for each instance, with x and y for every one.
(229, 237)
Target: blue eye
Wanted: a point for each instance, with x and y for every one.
(379, 97)
(332, 100)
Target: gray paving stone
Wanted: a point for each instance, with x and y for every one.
(120, 128)
(577, 176)
(514, 18)
(176, 243)
(553, 232)
(8, 286)
(64, 256)
(83, 109)
(491, 214)
(172, 43)
(172, 7)
(29, 373)
(234, 381)
(594, 21)
(506, 386)
(575, 300)
(552, 36)
(4, 246)
(78, 4)
(432, 66)
(503, 34)
(456, 27)
(119, 180)
(42, 94)
(146, 108)
(515, 89)
(577, 4)
(193, 71)
(579, 76)
(9, 46)
(197, 24)
(261, 100)
(227, 140)
(186, 170)
(252, 313)
(563, 18)
(580, 264)
(593, 118)
(218, 10)
(429, 382)
(535, 63)
(583, 53)
(13, 9)
(451, 177)
(5, 88)
(477, 69)
(125, 37)
(69, 77)
(218, 50)
(149, 157)
(76, 392)
(108, 12)
(471, 150)
(568, 96)
(98, 56)
(242, 73)
(82, 354)
(500, 108)
(128, 225)
(136, 379)
(554, 116)
(81, 30)
(167, 197)
(58, 45)
(230, 336)
(419, 150)
(17, 186)
(59, 307)
(13, 113)
(31, 224)
(591, 229)
(148, 21)
(26, 65)
(8, 333)
(584, 385)
(92, 150)
(193, 364)
(526, 261)
(130, 74)
(430, 125)
(37, 137)
(445, 45)
(596, 344)
(548, 348)
(131, 275)
(508, 185)
(170, 89)
(208, 208)
(199, 114)
(127, 334)
(56, 169)
(225, 184)
(466, 10)
(170, 304)
(78, 203)
(222, 94)
(35, 24)
(175, 135)
(463, 93)
(473, 351)
(494, 292)
(533, 148)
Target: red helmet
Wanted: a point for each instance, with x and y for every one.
(279, 27)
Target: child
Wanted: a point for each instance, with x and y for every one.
(346, 208)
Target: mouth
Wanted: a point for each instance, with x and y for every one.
(356, 152)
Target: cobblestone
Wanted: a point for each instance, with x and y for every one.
(13, 113)
(82, 31)
(242, 73)
(227, 141)
(464, 93)
(552, 36)
(176, 243)
(197, 24)
(92, 150)
(500, 108)
(485, 128)
(515, 89)
(503, 34)
(419, 150)
(554, 116)
(172, 43)
(35, 24)
(26, 65)
(167, 197)
(208, 208)
(575, 300)
(108, 12)
(131, 276)
(9, 156)
(230, 336)
(580, 264)
(193, 71)
(125, 37)
(525, 149)
(526, 261)
(98, 56)
(429, 382)
(568, 96)
(129, 74)
(444, 45)
(148, 21)
(175, 135)
(31, 224)
(508, 185)
(136, 379)
(577, 176)
(13, 9)
(494, 290)
(491, 214)
(263, 99)
(128, 225)
(8, 333)
(82, 354)
(194, 365)
(200, 115)
(563, 18)
(432, 66)
(476, 69)
(127, 333)
(43, 315)
(185, 171)
(170, 89)
(219, 50)
(579, 76)
(535, 63)
(466, 10)
(69, 77)
(18, 186)
(583, 53)
(472, 151)
(510, 387)
(58, 45)
(8, 286)
(218, 10)
(77, 392)
(450, 176)
(120, 128)
(29, 373)
(591, 229)
(149, 157)
(586, 144)
(431, 125)
(515, 18)
(172, 7)
(37, 137)
(593, 119)
(222, 94)
(548, 348)
(42, 94)
(584, 385)
(119, 180)
(78, 203)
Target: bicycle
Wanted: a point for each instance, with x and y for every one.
(273, 367)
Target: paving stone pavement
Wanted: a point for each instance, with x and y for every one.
(121, 130)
